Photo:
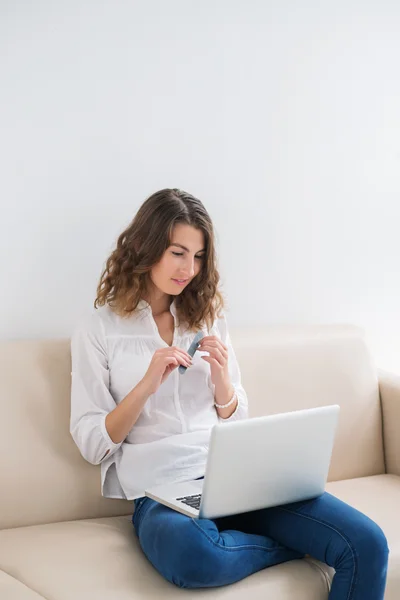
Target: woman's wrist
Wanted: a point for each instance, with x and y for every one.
(225, 394)
(231, 401)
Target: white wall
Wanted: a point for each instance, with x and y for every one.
(283, 117)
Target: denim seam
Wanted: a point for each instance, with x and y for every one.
(352, 550)
(138, 512)
(238, 547)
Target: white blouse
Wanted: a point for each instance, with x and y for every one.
(169, 441)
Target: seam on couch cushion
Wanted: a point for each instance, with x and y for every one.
(39, 595)
(325, 576)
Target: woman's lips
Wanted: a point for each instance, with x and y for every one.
(180, 283)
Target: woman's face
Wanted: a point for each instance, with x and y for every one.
(180, 263)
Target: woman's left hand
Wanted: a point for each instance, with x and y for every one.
(218, 358)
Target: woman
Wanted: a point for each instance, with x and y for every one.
(133, 413)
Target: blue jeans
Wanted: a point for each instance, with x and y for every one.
(195, 553)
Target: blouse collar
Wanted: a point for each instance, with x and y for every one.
(143, 304)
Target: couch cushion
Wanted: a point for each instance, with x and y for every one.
(287, 367)
(100, 559)
(12, 589)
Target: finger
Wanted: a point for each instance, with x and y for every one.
(173, 351)
(181, 357)
(207, 338)
(216, 351)
(216, 359)
(213, 338)
(185, 355)
(182, 351)
(212, 361)
(171, 360)
(179, 351)
(214, 342)
(187, 362)
(174, 365)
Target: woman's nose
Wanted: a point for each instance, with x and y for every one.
(190, 268)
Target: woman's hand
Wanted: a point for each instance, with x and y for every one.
(218, 358)
(163, 362)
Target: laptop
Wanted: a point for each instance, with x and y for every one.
(257, 463)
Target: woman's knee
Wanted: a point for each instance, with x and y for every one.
(373, 540)
(195, 555)
(179, 549)
(369, 542)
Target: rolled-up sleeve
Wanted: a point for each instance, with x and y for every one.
(242, 408)
(91, 400)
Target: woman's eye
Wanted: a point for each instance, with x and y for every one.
(181, 254)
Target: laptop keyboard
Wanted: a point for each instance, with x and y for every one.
(192, 501)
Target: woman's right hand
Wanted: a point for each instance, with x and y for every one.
(164, 361)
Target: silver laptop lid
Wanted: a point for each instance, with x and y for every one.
(276, 458)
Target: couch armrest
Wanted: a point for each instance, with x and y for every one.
(389, 390)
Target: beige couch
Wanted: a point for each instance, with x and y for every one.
(60, 540)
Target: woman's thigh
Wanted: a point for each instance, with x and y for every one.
(200, 552)
(334, 532)
(306, 525)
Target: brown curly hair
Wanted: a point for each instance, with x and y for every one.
(141, 245)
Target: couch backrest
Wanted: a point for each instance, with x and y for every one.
(288, 368)
(44, 479)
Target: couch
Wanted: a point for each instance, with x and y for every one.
(61, 540)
